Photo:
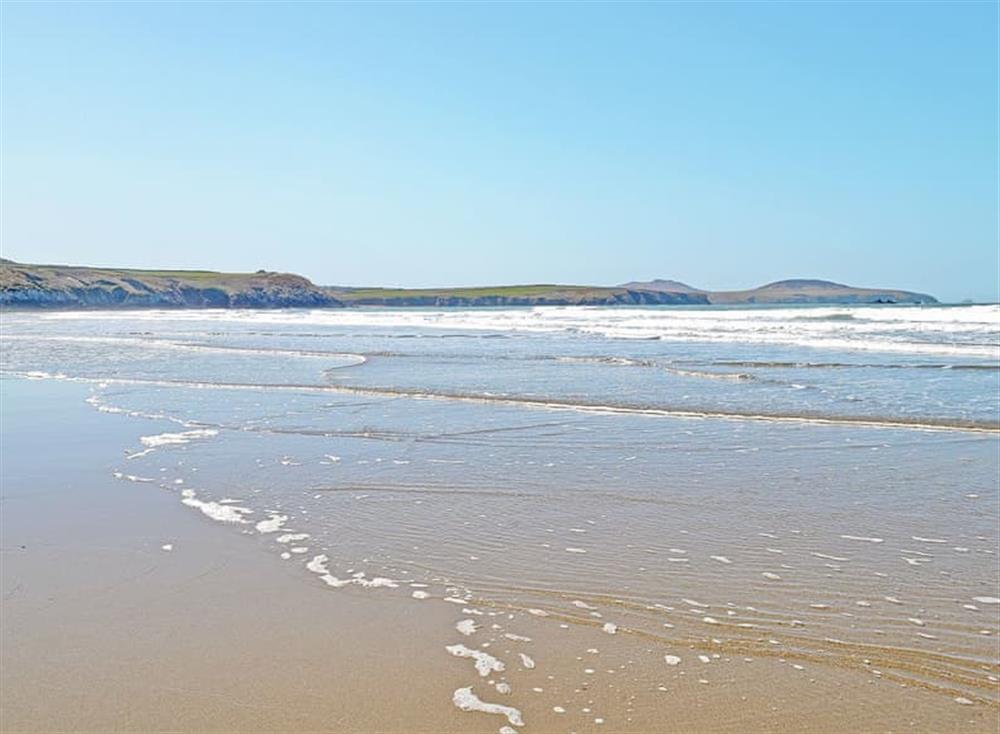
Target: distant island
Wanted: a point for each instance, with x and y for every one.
(77, 287)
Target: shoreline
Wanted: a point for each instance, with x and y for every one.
(105, 629)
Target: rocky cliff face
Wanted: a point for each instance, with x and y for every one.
(44, 286)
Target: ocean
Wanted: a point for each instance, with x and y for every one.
(815, 485)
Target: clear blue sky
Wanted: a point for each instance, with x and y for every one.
(445, 144)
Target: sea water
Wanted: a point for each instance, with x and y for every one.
(819, 481)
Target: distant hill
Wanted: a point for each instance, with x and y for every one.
(66, 286)
(62, 286)
(512, 295)
(797, 290)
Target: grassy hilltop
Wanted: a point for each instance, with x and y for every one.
(509, 295)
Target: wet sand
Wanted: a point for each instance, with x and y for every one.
(105, 630)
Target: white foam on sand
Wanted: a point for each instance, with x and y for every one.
(172, 439)
(610, 627)
(466, 700)
(467, 627)
(860, 537)
(318, 564)
(986, 599)
(215, 510)
(336, 583)
(516, 638)
(290, 537)
(379, 582)
(131, 477)
(829, 557)
(484, 662)
(420, 594)
(526, 661)
(359, 579)
(720, 559)
(272, 524)
(672, 660)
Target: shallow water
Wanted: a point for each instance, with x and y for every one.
(815, 485)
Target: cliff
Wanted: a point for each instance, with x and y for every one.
(60, 286)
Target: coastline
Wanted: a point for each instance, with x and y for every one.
(104, 629)
(80, 287)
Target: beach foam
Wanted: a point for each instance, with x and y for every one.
(173, 439)
(272, 524)
(862, 538)
(484, 662)
(318, 564)
(467, 627)
(216, 510)
(466, 700)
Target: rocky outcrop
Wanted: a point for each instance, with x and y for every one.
(56, 286)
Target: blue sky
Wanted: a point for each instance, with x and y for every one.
(725, 145)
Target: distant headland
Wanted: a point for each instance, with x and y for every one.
(78, 287)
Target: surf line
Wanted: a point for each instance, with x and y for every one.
(542, 403)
